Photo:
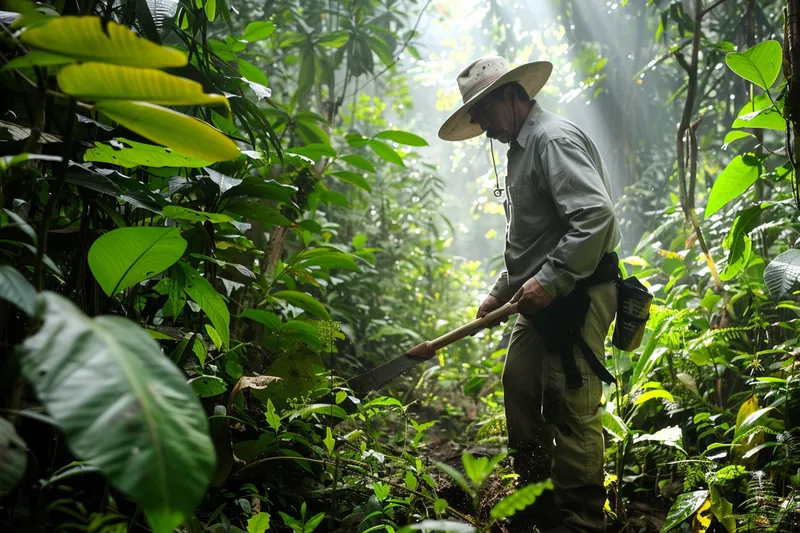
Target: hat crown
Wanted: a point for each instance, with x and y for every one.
(480, 75)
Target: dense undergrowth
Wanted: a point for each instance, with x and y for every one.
(210, 222)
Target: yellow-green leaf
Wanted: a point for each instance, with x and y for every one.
(760, 64)
(304, 301)
(737, 177)
(657, 393)
(722, 509)
(87, 39)
(329, 442)
(38, 58)
(127, 153)
(184, 134)
(761, 113)
(101, 81)
(210, 8)
(184, 213)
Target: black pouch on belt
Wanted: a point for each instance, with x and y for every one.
(561, 323)
(633, 310)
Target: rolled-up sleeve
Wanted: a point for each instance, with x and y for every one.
(584, 206)
(501, 290)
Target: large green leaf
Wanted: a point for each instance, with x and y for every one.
(738, 241)
(733, 136)
(761, 113)
(653, 394)
(101, 81)
(782, 275)
(385, 152)
(184, 213)
(353, 178)
(722, 509)
(685, 506)
(13, 457)
(131, 154)
(208, 386)
(314, 151)
(16, 289)
(126, 256)
(304, 301)
(760, 64)
(737, 177)
(123, 407)
(358, 161)
(254, 210)
(258, 31)
(267, 318)
(187, 135)
(326, 258)
(262, 189)
(213, 305)
(258, 523)
(402, 137)
(88, 39)
(335, 39)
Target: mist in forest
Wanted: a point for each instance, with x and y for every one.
(453, 34)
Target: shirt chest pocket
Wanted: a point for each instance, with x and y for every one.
(524, 205)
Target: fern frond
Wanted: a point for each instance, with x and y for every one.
(716, 336)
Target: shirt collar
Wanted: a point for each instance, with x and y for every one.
(527, 127)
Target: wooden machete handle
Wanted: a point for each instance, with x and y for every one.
(425, 350)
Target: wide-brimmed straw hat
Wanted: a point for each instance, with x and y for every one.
(482, 77)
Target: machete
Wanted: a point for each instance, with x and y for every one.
(380, 376)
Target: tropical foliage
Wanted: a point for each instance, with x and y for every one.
(211, 219)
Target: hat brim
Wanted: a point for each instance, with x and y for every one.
(532, 77)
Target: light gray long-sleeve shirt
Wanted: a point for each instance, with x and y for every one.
(559, 213)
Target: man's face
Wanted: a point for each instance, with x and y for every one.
(495, 117)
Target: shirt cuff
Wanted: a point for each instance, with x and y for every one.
(501, 290)
(554, 284)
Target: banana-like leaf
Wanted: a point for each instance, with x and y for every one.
(123, 406)
(189, 136)
(88, 39)
(102, 81)
(156, 16)
(13, 457)
(782, 274)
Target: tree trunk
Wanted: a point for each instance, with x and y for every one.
(791, 69)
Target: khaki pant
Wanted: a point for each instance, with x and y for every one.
(557, 432)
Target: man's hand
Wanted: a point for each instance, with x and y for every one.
(532, 297)
(490, 304)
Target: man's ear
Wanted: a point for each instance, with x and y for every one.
(509, 93)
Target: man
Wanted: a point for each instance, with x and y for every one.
(561, 230)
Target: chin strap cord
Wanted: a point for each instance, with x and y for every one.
(498, 192)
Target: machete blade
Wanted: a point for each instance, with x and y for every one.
(380, 376)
